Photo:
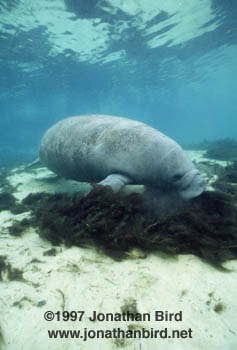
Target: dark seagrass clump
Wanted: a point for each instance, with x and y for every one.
(227, 180)
(207, 227)
(9, 202)
(223, 149)
(8, 272)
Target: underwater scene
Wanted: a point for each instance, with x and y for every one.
(118, 174)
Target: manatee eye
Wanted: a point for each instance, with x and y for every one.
(177, 177)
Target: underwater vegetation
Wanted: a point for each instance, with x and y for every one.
(225, 149)
(227, 180)
(2, 342)
(7, 200)
(222, 149)
(4, 183)
(8, 272)
(231, 172)
(129, 305)
(19, 227)
(117, 223)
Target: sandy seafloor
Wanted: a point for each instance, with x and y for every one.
(84, 279)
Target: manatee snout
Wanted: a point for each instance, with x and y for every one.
(192, 185)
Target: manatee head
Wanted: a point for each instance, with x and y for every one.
(189, 185)
(180, 173)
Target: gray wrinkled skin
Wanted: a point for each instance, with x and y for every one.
(117, 151)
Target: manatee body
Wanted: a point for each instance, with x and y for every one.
(116, 151)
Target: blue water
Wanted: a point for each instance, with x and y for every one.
(171, 64)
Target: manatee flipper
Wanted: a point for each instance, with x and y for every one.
(116, 181)
(35, 164)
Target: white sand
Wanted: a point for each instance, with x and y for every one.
(87, 280)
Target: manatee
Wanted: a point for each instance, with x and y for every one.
(117, 151)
